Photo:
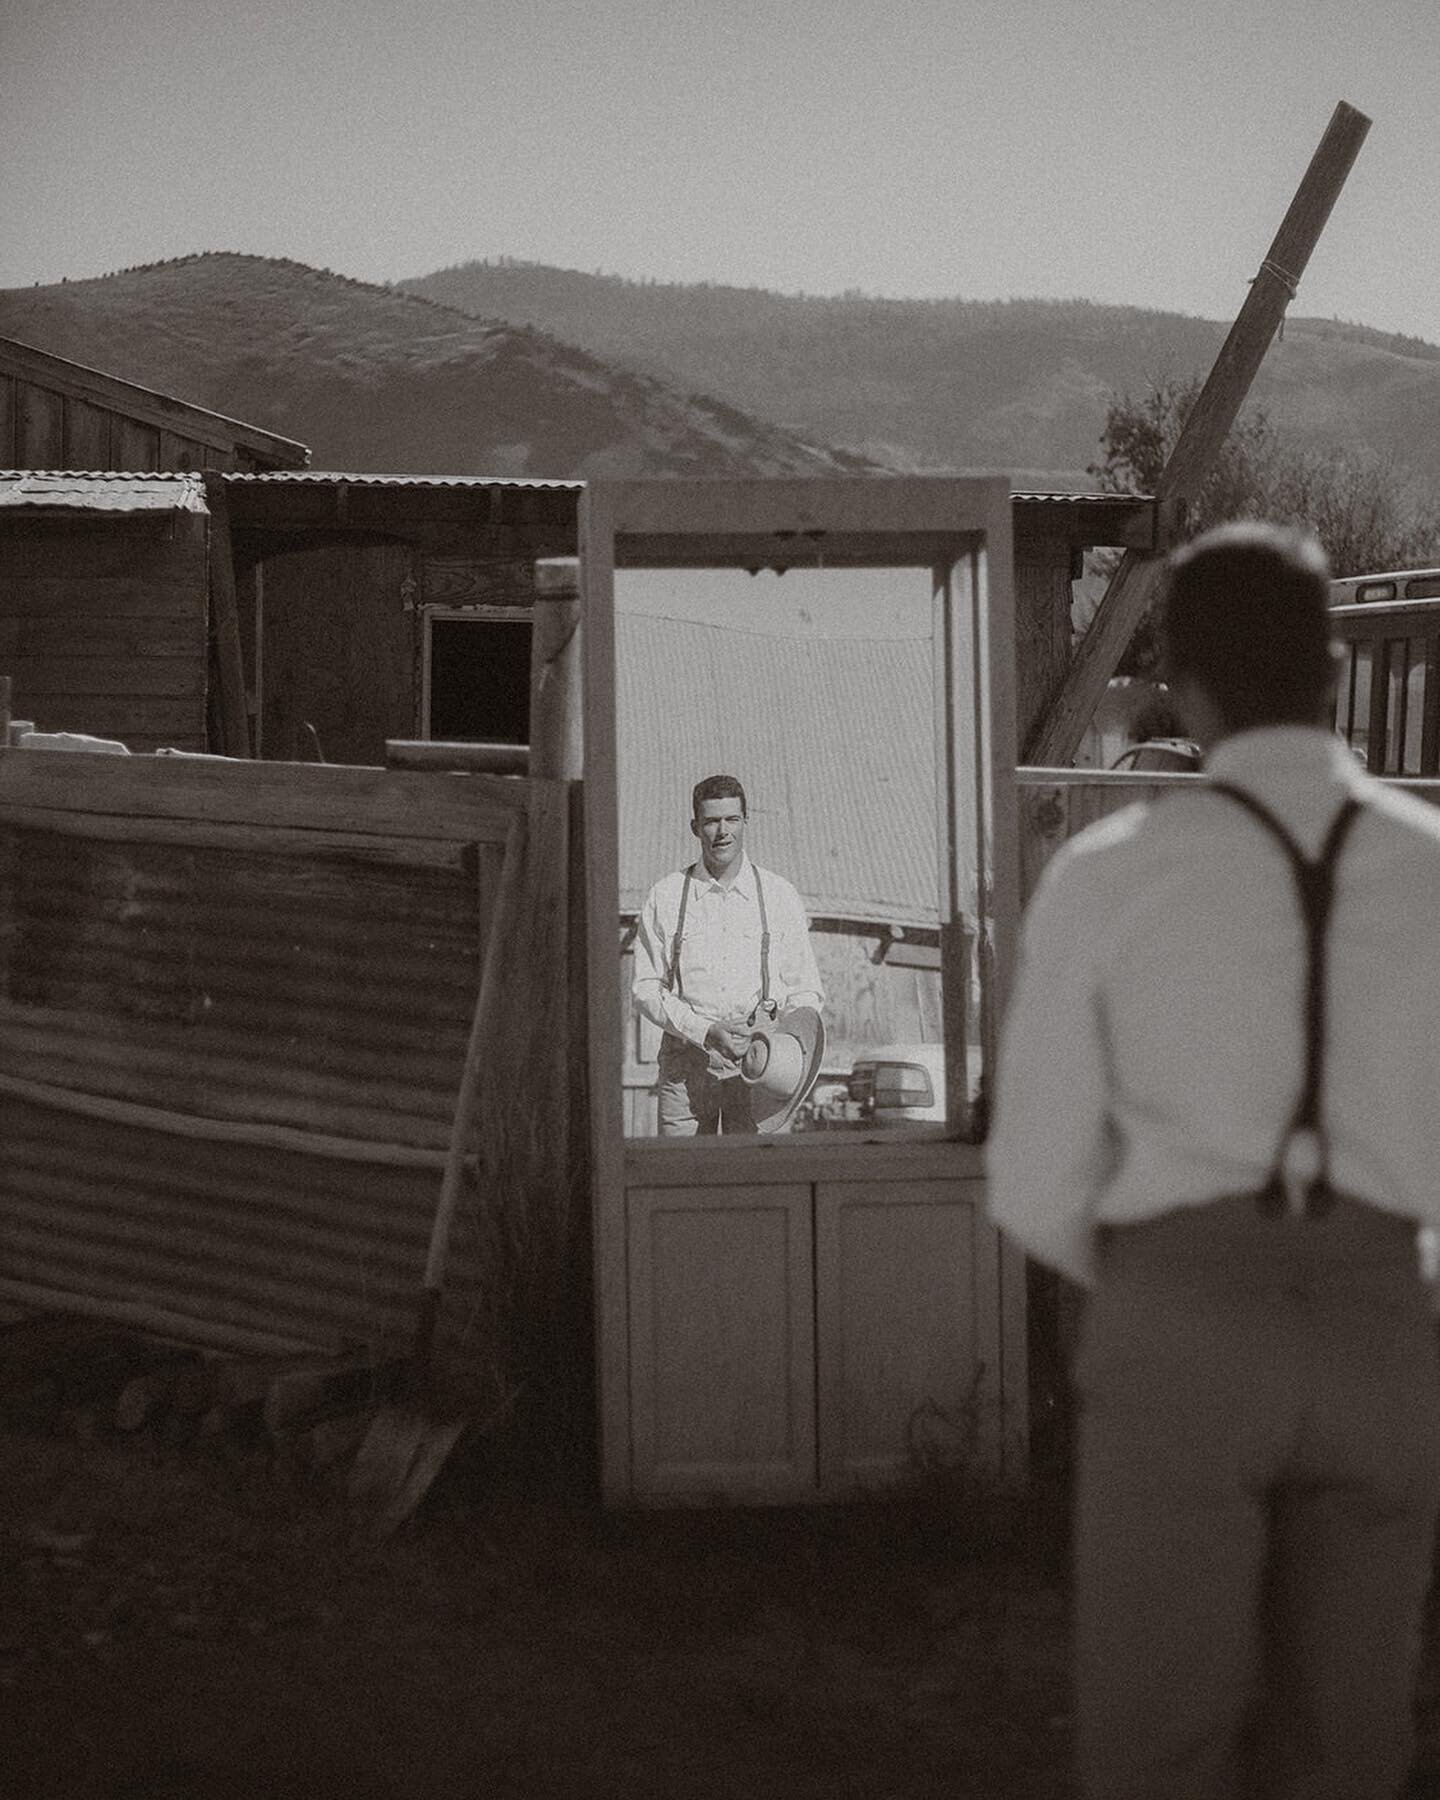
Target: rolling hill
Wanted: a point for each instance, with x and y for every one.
(376, 380)
(955, 383)
(517, 369)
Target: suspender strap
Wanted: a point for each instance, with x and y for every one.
(1315, 886)
(764, 941)
(672, 974)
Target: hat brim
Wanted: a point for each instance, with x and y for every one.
(773, 1112)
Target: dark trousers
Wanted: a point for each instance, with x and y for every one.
(1259, 1476)
(695, 1103)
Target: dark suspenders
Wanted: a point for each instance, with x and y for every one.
(1302, 1158)
(672, 972)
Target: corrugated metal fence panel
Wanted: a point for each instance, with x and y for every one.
(246, 992)
(221, 1243)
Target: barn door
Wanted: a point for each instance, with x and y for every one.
(802, 1315)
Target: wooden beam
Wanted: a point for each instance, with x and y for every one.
(1136, 581)
(225, 623)
(555, 700)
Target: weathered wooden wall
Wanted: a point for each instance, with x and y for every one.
(55, 414)
(1042, 624)
(234, 1004)
(340, 648)
(103, 626)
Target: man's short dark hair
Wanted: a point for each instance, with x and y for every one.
(1246, 616)
(717, 787)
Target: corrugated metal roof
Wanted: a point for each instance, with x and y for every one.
(103, 491)
(335, 478)
(833, 739)
(1063, 499)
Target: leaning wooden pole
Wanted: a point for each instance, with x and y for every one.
(1135, 581)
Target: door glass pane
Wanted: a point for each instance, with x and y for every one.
(817, 690)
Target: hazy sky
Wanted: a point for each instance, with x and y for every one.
(1122, 150)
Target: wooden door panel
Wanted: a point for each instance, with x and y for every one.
(722, 1336)
(898, 1319)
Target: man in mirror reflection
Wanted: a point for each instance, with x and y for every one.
(721, 947)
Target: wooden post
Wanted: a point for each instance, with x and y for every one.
(555, 671)
(1135, 582)
(225, 622)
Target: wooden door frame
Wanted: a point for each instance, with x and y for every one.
(971, 519)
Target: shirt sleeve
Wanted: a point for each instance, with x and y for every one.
(796, 969)
(659, 1003)
(1052, 1145)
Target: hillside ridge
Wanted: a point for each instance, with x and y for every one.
(375, 379)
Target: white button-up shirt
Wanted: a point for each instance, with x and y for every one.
(1155, 1044)
(719, 968)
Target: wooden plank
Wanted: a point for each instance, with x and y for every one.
(673, 1162)
(151, 547)
(476, 581)
(1135, 583)
(87, 435)
(457, 758)
(40, 428)
(225, 624)
(84, 599)
(9, 453)
(127, 717)
(325, 798)
(56, 373)
(606, 1094)
(135, 445)
(293, 841)
(725, 509)
(556, 702)
(60, 675)
(179, 452)
(52, 638)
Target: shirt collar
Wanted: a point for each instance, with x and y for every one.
(744, 882)
(1283, 753)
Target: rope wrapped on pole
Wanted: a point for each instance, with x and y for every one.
(1136, 579)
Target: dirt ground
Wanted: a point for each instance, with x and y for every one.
(200, 1624)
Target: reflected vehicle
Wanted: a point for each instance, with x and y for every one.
(899, 1084)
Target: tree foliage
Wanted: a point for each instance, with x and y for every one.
(1365, 510)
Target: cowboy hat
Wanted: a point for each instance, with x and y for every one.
(781, 1066)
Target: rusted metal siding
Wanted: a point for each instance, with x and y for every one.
(230, 1049)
